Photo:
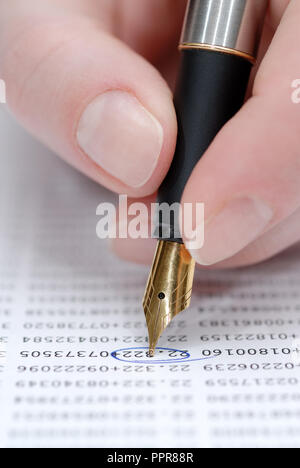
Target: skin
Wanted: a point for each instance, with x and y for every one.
(56, 55)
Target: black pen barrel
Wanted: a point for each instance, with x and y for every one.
(211, 89)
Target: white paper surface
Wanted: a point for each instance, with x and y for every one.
(66, 304)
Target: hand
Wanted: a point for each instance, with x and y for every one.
(82, 75)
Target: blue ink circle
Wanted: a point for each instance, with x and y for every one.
(185, 358)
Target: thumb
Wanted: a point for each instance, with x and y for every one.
(89, 97)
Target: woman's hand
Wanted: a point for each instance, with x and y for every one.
(82, 75)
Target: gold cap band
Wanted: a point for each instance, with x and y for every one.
(223, 50)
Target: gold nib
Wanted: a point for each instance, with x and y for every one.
(169, 288)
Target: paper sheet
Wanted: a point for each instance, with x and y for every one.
(73, 369)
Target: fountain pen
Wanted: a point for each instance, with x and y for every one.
(218, 46)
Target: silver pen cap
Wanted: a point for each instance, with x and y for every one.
(228, 25)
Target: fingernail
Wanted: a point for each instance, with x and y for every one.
(239, 223)
(119, 134)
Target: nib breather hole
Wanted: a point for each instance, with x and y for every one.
(161, 296)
